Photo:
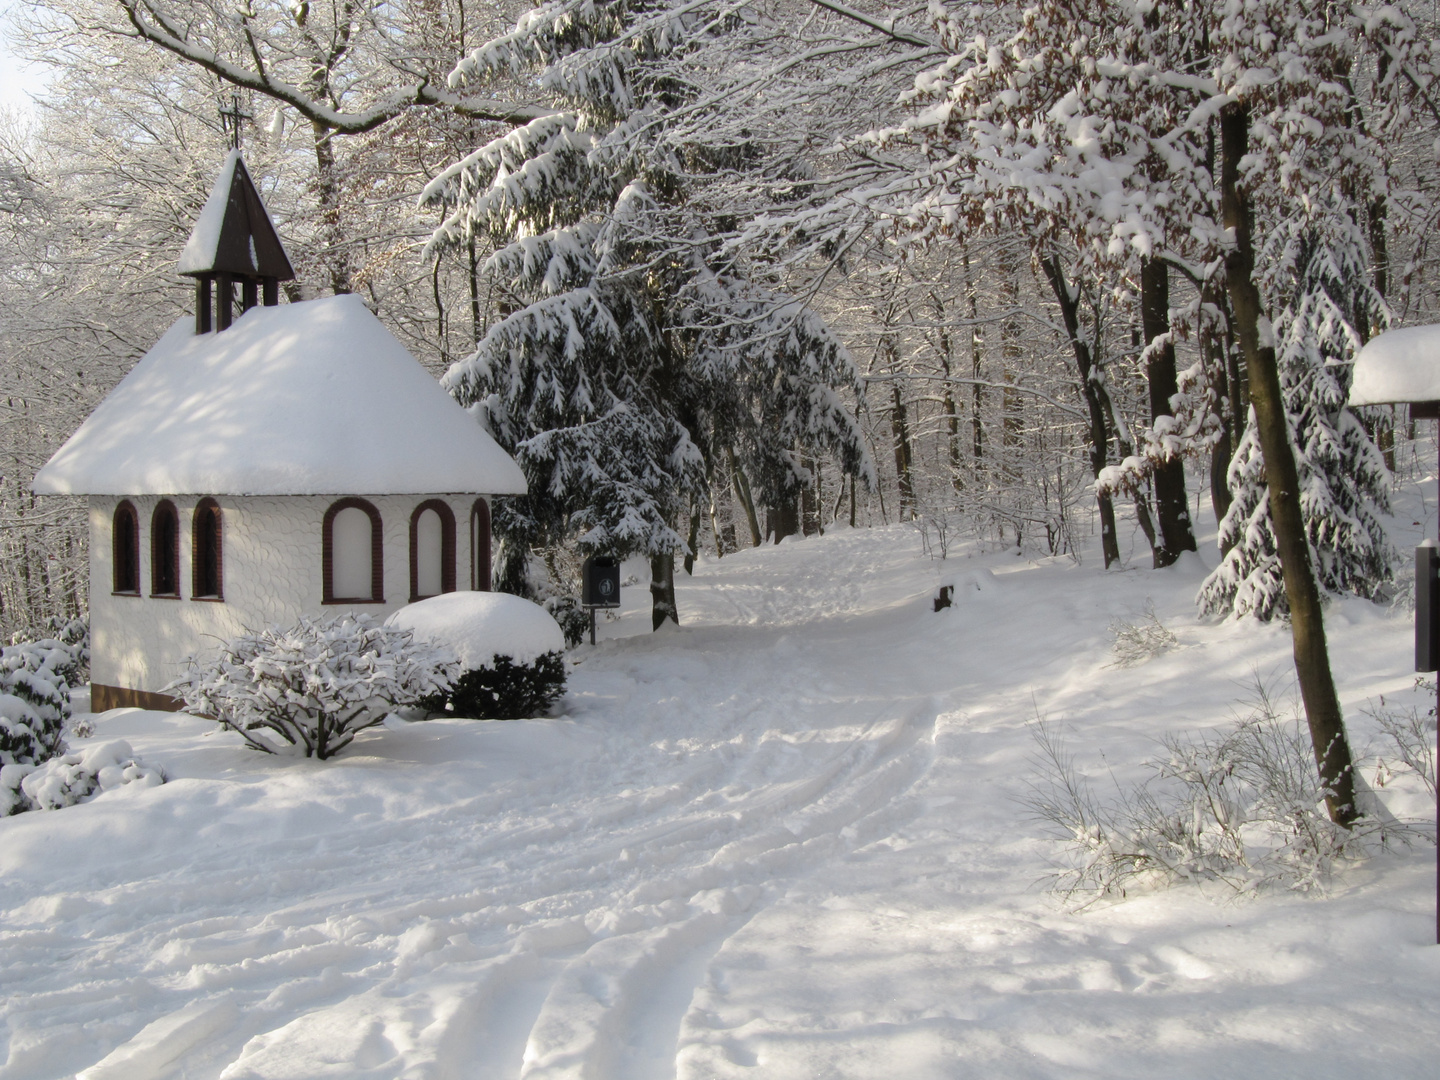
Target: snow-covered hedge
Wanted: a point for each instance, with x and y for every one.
(315, 684)
(510, 649)
(35, 681)
(69, 778)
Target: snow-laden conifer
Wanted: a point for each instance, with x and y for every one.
(636, 354)
(1344, 484)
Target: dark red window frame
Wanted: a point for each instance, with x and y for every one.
(447, 547)
(377, 554)
(125, 549)
(207, 552)
(165, 551)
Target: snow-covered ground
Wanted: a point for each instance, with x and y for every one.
(780, 842)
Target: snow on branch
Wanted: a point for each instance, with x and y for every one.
(151, 23)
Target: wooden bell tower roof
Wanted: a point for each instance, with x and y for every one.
(234, 234)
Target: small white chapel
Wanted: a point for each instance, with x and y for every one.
(264, 461)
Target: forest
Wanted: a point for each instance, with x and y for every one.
(718, 273)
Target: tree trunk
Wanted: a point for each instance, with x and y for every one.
(1099, 438)
(477, 318)
(327, 193)
(952, 416)
(1217, 350)
(977, 357)
(900, 430)
(742, 491)
(1221, 455)
(783, 519)
(693, 538)
(715, 528)
(662, 590)
(1307, 625)
(1173, 509)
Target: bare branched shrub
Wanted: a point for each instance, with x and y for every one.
(1244, 808)
(1138, 641)
(1411, 733)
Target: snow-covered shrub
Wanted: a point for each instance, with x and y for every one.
(69, 778)
(71, 633)
(1244, 809)
(572, 618)
(510, 651)
(35, 681)
(1138, 641)
(315, 684)
(506, 690)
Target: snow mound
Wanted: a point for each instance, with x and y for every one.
(479, 626)
(1398, 365)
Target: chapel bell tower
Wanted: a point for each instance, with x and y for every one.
(233, 241)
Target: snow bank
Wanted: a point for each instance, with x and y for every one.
(315, 398)
(1398, 366)
(479, 626)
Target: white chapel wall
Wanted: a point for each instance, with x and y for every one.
(272, 571)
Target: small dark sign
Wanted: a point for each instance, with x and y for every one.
(600, 582)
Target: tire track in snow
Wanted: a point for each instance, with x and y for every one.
(553, 924)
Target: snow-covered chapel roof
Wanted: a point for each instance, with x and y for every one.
(1398, 365)
(313, 398)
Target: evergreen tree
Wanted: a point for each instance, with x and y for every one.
(1343, 479)
(636, 354)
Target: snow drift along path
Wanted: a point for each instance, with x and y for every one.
(779, 842)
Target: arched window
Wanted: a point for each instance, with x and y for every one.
(351, 553)
(206, 552)
(126, 549)
(480, 546)
(165, 550)
(432, 550)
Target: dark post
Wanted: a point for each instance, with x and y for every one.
(1427, 607)
(202, 305)
(225, 301)
(270, 291)
(247, 294)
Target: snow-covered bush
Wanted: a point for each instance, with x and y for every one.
(69, 778)
(506, 690)
(1138, 641)
(72, 633)
(1244, 809)
(510, 651)
(315, 684)
(35, 681)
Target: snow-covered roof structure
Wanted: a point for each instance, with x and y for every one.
(313, 398)
(1398, 366)
(234, 233)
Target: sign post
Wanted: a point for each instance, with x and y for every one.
(599, 586)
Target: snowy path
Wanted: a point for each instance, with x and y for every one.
(779, 842)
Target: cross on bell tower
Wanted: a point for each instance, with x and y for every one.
(232, 118)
